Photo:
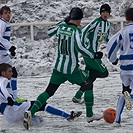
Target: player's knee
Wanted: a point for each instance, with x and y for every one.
(87, 85)
(126, 88)
(14, 71)
(51, 89)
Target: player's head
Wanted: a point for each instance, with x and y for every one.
(5, 13)
(129, 14)
(76, 14)
(6, 70)
(105, 11)
(105, 7)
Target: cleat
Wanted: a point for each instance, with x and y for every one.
(27, 120)
(128, 100)
(74, 115)
(17, 99)
(116, 124)
(76, 100)
(96, 117)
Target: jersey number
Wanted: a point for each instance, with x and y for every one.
(64, 47)
(131, 39)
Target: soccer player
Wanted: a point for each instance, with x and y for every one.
(123, 41)
(13, 111)
(66, 65)
(5, 46)
(93, 35)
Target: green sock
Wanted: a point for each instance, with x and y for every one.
(42, 98)
(89, 101)
(79, 94)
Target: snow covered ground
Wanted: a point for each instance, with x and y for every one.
(106, 92)
(36, 59)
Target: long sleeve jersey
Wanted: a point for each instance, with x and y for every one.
(69, 44)
(95, 33)
(4, 93)
(122, 41)
(4, 37)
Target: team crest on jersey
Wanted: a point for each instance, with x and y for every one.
(102, 37)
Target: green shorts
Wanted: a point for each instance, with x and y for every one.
(95, 64)
(76, 77)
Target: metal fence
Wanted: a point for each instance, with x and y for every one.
(32, 24)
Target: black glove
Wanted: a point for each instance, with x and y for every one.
(116, 62)
(10, 101)
(67, 19)
(12, 50)
(98, 55)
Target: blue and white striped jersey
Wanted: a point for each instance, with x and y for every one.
(122, 41)
(4, 86)
(4, 37)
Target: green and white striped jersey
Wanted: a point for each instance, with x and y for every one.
(69, 44)
(95, 33)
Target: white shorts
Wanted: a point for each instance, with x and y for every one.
(15, 113)
(127, 80)
(6, 59)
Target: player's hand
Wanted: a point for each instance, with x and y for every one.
(10, 101)
(116, 62)
(98, 55)
(12, 50)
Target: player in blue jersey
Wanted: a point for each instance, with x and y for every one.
(13, 111)
(6, 46)
(123, 41)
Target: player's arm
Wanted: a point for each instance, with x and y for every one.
(80, 47)
(4, 42)
(113, 46)
(53, 30)
(5, 94)
(86, 30)
(108, 35)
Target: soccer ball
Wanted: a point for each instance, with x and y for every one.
(109, 115)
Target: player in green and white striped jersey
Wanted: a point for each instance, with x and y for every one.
(94, 34)
(66, 65)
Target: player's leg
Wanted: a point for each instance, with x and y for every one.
(55, 81)
(97, 70)
(14, 86)
(57, 111)
(52, 110)
(126, 81)
(89, 102)
(82, 78)
(119, 110)
(14, 82)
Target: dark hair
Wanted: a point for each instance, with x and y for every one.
(4, 67)
(129, 14)
(76, 13)
(2, 9)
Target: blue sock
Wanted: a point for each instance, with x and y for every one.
(56, 111)
(119, 109)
